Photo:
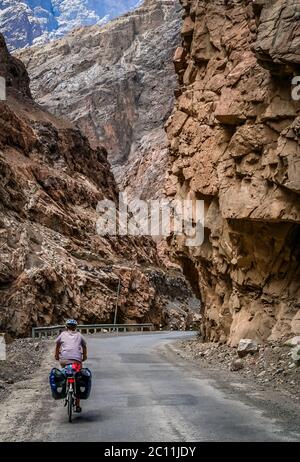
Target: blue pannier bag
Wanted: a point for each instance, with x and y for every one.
(58, 383)
(83, 381)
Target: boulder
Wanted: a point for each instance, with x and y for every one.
(236, 365)
(2, 347)
(247, 346)
(295, 353)
(292, 342)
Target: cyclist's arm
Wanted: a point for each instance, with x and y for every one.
(57, 348)
(84, 348)
(84, 352)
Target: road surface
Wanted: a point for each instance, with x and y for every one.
(143, 392)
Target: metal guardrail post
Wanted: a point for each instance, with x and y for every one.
(117, 302)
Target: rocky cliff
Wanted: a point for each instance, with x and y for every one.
(116, 83)
(38, 21)
(53, 264)
(234, 143)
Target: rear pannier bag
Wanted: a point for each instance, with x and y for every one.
(83, 383)
(58, 384)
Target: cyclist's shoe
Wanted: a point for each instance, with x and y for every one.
(78, 409)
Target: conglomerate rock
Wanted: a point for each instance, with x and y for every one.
(53, 264)
(235, 143)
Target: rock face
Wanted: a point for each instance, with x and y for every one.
(278, 46)
(38, 21)
(116, 83)
(53, 264)
(234, 143)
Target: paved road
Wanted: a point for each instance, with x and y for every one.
(140, 394)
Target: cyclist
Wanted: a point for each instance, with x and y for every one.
(71, 348)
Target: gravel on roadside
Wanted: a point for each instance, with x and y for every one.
(271, 367)
(23, 358)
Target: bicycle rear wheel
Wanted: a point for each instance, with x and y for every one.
(70, 406)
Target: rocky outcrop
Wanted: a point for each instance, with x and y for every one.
(278, 44)
(53, 264)
(38, 21)
(116, 83)
(118, 95)
(13, 71)
(234, 143)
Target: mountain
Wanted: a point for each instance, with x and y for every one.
(117, 84)
(28, 22)
(233, 140)
(53, 263)
(235, 143)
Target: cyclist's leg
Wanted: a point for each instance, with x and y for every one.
(77, 400)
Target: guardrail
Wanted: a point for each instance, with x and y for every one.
(51, 331)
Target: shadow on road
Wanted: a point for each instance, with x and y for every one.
(89, 416)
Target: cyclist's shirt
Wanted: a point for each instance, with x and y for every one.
(71, 344)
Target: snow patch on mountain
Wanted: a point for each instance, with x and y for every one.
(29, 22)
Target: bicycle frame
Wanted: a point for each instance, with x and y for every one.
(71, 370)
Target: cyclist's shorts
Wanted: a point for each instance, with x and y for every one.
(65, 362)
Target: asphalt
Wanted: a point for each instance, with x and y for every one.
(142, 393)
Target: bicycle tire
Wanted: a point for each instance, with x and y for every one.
(70, 406)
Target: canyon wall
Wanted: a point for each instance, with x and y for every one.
(116, 83)
(234, 143)
(53, 264)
